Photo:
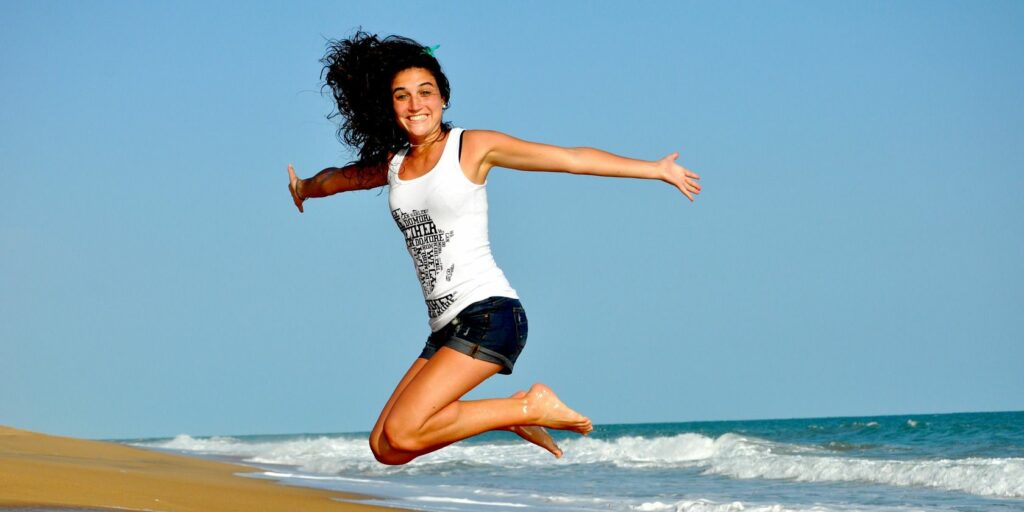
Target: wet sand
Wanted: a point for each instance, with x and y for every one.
(43, 472)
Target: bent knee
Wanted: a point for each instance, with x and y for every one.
(385, 454)
(402, 436)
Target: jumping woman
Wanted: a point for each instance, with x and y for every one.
(391, 95)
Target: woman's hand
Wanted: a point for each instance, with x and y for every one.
(683, 179)
(293, 187)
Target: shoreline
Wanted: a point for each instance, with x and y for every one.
(40, 471)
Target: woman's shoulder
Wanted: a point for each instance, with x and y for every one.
(476, 132)
(477, 137)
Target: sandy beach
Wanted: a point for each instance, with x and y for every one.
(38, 470)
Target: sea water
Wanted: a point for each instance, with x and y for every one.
(962, 462)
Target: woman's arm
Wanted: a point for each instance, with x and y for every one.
(330, 181)
(489, 149)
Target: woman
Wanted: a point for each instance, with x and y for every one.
(391, 95)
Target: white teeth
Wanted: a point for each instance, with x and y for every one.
(418, 117)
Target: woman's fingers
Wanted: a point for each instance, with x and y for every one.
(687, 192)
(689, 188)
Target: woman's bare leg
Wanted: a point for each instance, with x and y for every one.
(427, 413)
(378, 443)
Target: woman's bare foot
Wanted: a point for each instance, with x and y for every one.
(543, 403)
(536, 435)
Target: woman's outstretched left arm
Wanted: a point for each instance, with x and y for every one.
(489, 149)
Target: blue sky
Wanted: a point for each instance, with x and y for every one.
(857, 249)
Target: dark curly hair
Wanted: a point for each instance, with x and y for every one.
(359, 70)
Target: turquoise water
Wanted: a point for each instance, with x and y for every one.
(963, 462)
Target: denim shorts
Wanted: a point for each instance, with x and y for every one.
(492, 330)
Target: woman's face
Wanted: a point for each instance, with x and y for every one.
(418, 103)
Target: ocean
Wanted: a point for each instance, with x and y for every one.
(962, 462)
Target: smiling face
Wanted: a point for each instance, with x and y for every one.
(418, 104)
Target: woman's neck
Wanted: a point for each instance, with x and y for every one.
(428, 140)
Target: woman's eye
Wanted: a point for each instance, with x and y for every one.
(426, 93)
(402, 97)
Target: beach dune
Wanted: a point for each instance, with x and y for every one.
(38, 470)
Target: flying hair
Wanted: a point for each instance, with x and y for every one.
(358, 71)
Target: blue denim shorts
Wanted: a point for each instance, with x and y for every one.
(492, 330)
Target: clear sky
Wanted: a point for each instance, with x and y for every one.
(857, 249)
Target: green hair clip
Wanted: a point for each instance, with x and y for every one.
(429, 50)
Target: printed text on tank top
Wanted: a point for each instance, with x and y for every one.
(442, 215)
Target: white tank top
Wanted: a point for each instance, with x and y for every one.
(443, 216)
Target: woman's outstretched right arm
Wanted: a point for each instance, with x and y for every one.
(330, 181)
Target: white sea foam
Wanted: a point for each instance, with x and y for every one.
(729, 455)
(298, 476)
(747, 458)
(740, 457)
(678, 450)
(465, 501)
(708, 506)
(736, 506)
(217, 445)
(318, 455)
